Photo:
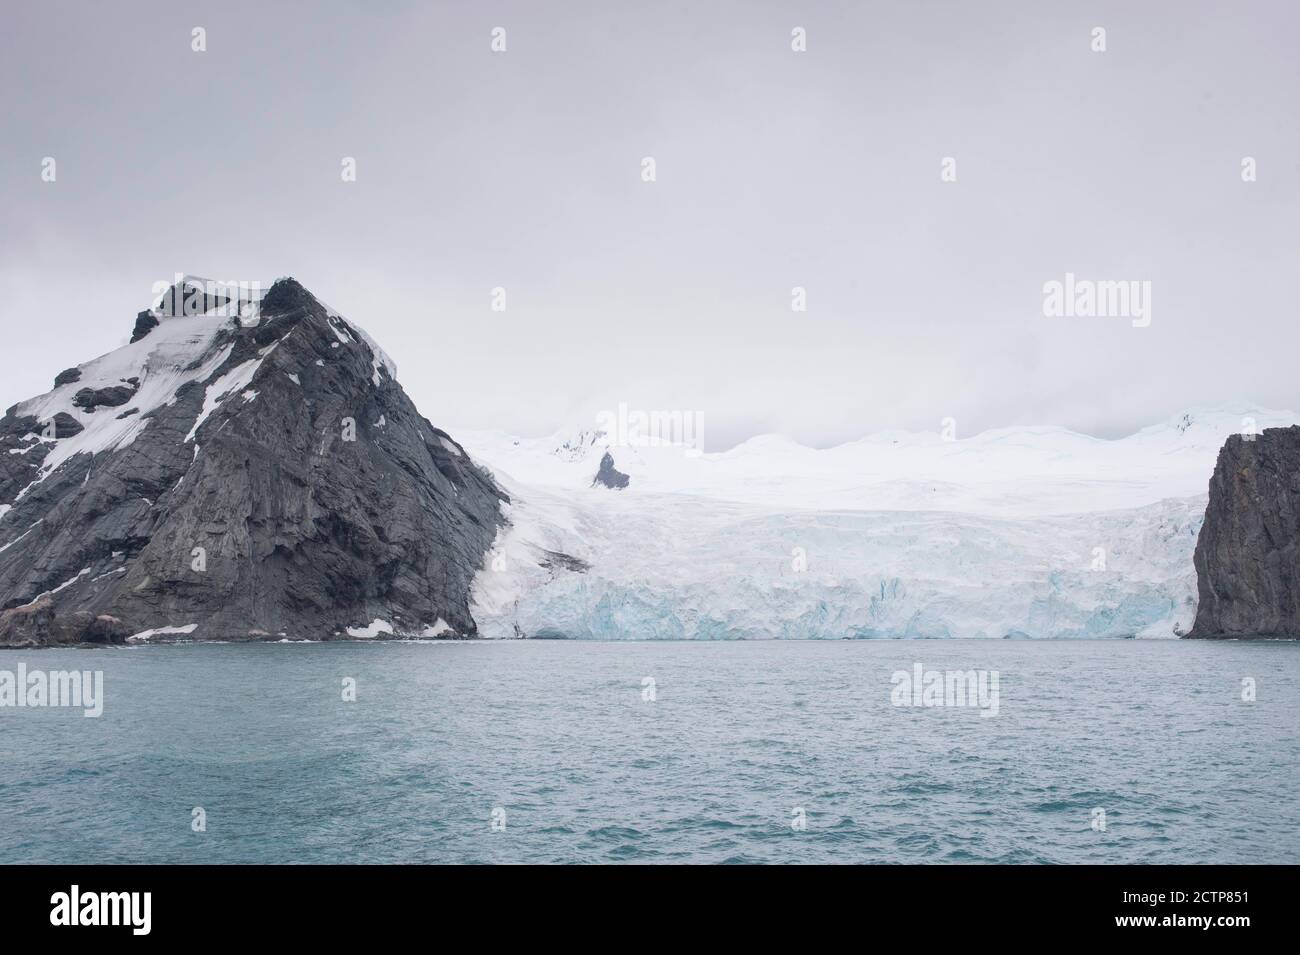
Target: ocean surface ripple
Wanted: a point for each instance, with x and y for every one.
(548, 752)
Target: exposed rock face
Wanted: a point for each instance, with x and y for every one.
(189, 298)
(1248, 552)
(112, 397)
(36, 624)
(609, 476)
(67, 377)
(274, 481)
(145, 322)
(65, 426)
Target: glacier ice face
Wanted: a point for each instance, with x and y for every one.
(678, 567)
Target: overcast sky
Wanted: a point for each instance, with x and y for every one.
(774, 168)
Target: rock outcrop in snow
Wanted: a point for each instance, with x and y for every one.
(237, 473)
(1248, 554)
(610, 476)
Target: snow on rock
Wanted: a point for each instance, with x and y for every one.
(237, 379)
(349, 332)
(5, 547)
(145, 635)
(374, 629)
(61, 587)
(379, 627)
(161, 362)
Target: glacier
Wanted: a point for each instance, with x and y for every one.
(1034, 532)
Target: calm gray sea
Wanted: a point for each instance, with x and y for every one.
(550, 751)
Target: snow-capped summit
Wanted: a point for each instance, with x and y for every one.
(236, 473)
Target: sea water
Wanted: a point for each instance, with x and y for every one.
(756, 751)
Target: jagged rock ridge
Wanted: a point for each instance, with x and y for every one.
(1248, 552)
(228, 478)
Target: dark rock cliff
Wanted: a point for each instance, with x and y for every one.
(230, 480)
(1248, 552)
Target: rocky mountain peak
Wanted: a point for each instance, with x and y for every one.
(237, 475)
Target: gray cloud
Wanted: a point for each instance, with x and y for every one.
(775, 170)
